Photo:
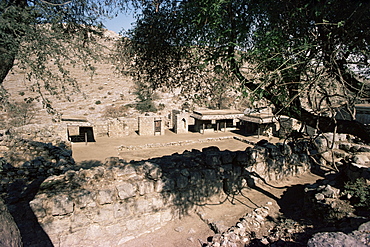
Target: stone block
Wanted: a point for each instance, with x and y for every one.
(85, 199)
(154, 173)
(333, 239)
(360, 159)
(94, 231)
(209, 174)
(105, 213)
(142, 206)
(62, 205)
(226, 157)
(153, 221)
(121, 210)
(38, 207)
(111, 161)
(195, 177)
(126, 190)
(71, 239)
(135, 224)
(56, 225)
(125, 172)
(168, 215)
(104, 197)
(213, 159)
(145, 187)
(365, 149)
(79, 220)
(159, 185)
(158, 203)
(115, 229)
(167, 184)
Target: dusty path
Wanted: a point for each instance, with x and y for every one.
(190, 230)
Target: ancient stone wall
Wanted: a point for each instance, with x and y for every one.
(151, 125)
(53, 133)
(180, 122)
(108, 204)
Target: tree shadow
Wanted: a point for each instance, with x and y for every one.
(295, 205)
(20, 194)
(193, 177)
(188, 179)
(25, 182)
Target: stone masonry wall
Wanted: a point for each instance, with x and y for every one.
(96, 204)
(146, 125)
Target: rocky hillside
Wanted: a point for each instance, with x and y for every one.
(105, 88)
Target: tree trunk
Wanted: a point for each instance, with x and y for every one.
(329, 124)
(6, 63)
(324, 124)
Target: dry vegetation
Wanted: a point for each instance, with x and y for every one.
(100, 94)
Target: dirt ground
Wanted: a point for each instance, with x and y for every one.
(190, 230)
(108, 147)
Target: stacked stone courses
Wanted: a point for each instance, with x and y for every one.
(94, 204)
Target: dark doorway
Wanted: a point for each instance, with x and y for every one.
(157, 126)
(86, 134)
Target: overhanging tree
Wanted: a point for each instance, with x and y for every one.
(304, 57)
(42, 36)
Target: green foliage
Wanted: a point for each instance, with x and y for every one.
(115, 111)
(42, 37)
(359, 191)
(21, 113)
(161, 106)
(146, 106)
(145, 95)
(303, 57)
(98, 102)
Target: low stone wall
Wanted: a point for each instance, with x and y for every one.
(53, 133)
(176, 143)
(108, 204)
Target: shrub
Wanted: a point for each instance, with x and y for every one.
(161, 106)
(21, 113)
(98, 102)
(115, 112)
(359, 192)
(146, 106)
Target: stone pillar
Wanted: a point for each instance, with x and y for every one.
(181, 122)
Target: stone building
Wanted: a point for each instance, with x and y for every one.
(216, 120)
(79, 129)
(151, 125)
(363, 113)
(180, 121)
(260, 122)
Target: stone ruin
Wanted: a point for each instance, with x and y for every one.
(114, 202)
(55, 201)
(151, 125)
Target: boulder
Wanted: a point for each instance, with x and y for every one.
(9, 232)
